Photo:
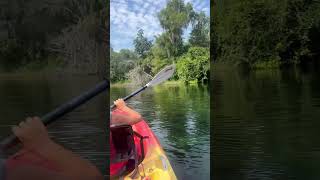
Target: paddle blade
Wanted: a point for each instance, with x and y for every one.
(162, 76)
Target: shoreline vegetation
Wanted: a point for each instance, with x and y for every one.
(266, 34)
(167, 83)
(66, 36)
(191, 56)
(33, 75)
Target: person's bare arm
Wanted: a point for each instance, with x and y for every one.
(34, 136)
(31, 172)
(118, 119)
(120, 104)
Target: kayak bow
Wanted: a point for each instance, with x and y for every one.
(155, 164)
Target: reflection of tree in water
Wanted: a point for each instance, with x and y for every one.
(266, 124)
(24, 97)
(82, 130)
(183, 111)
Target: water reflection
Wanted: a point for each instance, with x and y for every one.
(82, 131)
(266, 124)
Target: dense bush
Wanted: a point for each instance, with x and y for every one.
(33, 32)
(121, 63)
(194, 65)
(256, 32)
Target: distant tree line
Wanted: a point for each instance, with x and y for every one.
(190, 56)
(66, 33)
(266, 33)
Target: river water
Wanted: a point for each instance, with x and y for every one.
(266, 124)
(179, 116)
(83, 130)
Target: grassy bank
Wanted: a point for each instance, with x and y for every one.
(258, 65)
(166, 83)
(121, 84)
(273, 64)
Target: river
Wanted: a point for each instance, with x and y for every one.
(266, 124)
(179, 116)
(83, 130)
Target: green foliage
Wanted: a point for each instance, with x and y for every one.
(192, 57)
(157, 64)
(173, 19)
(142, 44)
(194, 65)
(163, 47)
(125, 54)
(271, 64)
(199, 35)
(254, 32)
(27, 29)
(121, 63)
(11, 55)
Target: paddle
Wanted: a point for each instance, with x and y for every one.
(162, 76)
(61, 110)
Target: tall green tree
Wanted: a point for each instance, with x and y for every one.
(141, 44)
(199, 35)
(173, 19)
(162, 47)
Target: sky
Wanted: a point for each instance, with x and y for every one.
(127, 16)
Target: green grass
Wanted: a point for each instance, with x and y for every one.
(166, 83)
(272, 64)
(173, 82)
(120, 83)
(128, 83)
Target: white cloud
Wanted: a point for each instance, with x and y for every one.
(127, 16)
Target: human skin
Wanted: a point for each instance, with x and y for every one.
(131, 117)
(34, 136)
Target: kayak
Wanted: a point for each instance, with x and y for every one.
(155, 164)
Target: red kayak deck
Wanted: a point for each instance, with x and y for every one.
(143, 129)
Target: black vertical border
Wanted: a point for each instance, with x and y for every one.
(211, 84)
(107, 48)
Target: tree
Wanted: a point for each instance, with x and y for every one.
(194, 65)
(173, 19)
(199, 35)
(121, 63)
(142, 44)
(39, 32)
(162, 46)
(266, 32)
(249, 31)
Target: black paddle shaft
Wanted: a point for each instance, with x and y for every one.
(61, 110)
(131, 95)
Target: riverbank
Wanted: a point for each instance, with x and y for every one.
(49, 71)
(170, 82)
(54, 66)
(263, 65)
(38, 75)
